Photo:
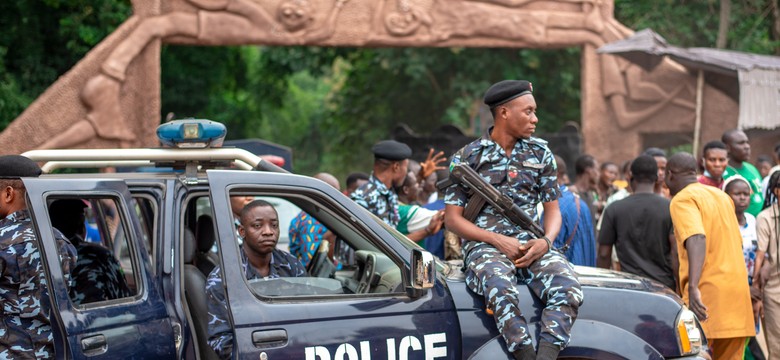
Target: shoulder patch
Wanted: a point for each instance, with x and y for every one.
(455, 161)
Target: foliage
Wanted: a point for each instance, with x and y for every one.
(426, 88)
(694, 23)
(43, 39)
(331, 104)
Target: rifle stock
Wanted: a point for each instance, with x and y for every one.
(464, 174)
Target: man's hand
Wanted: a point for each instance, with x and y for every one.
(437, 221)
(508, 246)
(756, 297)
(758, 310)
(697, 306)
(431, 164)
(532, 250)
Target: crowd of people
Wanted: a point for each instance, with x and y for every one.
(707, 228)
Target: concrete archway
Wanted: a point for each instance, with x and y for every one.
(112, 97)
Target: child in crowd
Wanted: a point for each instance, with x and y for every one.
(739, 190)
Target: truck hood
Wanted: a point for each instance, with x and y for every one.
(597, 277)
(589, 277)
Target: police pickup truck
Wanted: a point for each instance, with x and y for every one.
(388, 299)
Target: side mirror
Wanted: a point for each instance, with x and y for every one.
(423, 271)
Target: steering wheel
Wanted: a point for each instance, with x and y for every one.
(368, 275)
(319, 265)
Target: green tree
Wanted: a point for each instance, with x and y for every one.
(695, 23)
(43, 39)
(331, 104)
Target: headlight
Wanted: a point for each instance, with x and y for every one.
(688, 333)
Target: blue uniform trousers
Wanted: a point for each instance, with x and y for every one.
(491, 274)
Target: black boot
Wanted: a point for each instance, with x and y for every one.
(525, 353)
(547, 351)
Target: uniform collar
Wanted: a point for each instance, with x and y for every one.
(380, 186)
(19, 215)
(486, 141)
(277, 262)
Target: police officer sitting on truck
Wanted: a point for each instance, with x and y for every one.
(260, 260)
(498, 253)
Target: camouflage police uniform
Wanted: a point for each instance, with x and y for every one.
(528, 176)
(97, 275)
(379, 200)
(26, 328)
(283, 264)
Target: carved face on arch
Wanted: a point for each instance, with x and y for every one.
(295, 15)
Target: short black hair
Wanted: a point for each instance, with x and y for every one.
(682, 162)
(67, 216)
(583, 163)
(714, 144)
(773, 183)
(654, 152)
(728, 134)
(254, 204)
(608, 163)
(763, 158)
(777, 149)
(644, 169)
(355, 176)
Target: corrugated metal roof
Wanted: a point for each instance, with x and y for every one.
(757, 77)
(723, 60)
(650, 44)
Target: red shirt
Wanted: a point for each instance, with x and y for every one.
(709, 181)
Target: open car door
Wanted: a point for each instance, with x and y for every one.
(361, 310)
(129, 322)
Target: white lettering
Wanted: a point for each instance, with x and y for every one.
(365, 350)
(391, 349)
(408, 343)
(432, 351)
(317, 351)
(348, 350)
(435, 347)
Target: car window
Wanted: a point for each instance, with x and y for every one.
(145, 210)
(106, 268)
(338, 256)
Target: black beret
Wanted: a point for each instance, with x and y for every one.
(391, 150)
(504, 91)
(17, 166)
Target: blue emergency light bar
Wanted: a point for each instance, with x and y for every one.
(192, 133)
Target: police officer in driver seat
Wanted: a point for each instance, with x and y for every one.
(260, 260)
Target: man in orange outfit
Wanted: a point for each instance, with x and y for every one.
(713, 278)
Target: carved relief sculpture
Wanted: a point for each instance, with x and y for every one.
(620, 99)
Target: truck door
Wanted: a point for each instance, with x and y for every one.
(360, 309)
(113, 308)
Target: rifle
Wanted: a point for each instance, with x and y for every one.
(482, 192)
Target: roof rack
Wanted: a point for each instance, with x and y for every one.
(99, 158)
